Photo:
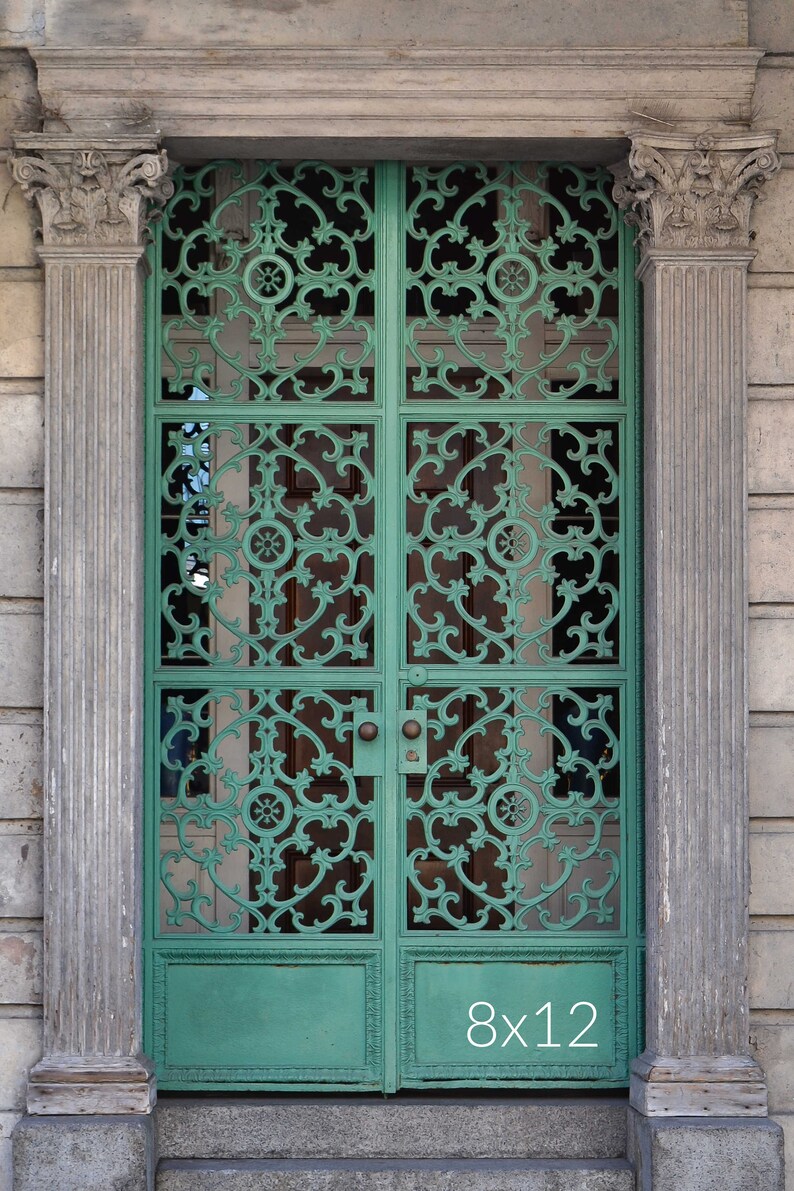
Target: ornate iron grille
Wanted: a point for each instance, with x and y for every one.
(393, 562)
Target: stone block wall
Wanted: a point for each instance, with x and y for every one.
(21, 592)
(771, 580)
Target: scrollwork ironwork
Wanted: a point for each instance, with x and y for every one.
(267, 545)
(514, 544)
(276, 281)
(264, 829)
(520, 797)
(509, 269)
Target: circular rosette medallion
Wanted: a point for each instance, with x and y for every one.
(513, 809)
(268, 278)
(512, 278)
(267, 811)
(513, 542)
(267, 544)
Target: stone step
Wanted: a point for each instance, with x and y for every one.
(606, 1174)
(397, 1128)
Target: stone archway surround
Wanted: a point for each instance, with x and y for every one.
(689, 193)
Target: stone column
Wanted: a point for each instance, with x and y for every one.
(690, 198)
(92, 199)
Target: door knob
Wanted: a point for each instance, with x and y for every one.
(412, 729)
(368, 730)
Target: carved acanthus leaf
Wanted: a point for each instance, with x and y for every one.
(89, 197)
(682, 192)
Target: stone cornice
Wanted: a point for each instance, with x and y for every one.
(91, 193)
(694, 192)
(362, 94)
(442, 56)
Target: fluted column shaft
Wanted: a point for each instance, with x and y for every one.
(92, 203)
(696, 648)
(691, 200)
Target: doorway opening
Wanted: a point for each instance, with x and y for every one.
(393, 516)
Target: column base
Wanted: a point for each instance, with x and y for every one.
(96, 1085)
(683, 1154)
(698, 1086)
(84, 1154)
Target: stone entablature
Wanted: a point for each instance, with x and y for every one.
(414, 102)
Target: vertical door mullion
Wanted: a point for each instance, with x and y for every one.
(390, 319)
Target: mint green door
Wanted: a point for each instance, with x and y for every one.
(393, 800)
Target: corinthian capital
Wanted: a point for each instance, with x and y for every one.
(685, 191)
(93, 194)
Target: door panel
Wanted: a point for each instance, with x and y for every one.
(392, 825)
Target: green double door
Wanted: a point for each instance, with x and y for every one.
(392, 804)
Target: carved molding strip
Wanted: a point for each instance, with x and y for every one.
(693, 191)
(91, 195)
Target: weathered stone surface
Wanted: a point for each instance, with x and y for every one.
(22, 439)
(21, 543)
(20, 967)
(196, 1128)
(21, 328)
(772, 665)
(690, 1155)
(771, 859)
(773, 222)
(770, 443)
(18, 107)
(772, 24)
(23, 22)
(21, 653)
(773, 1043)
(20, 1046)
(7, 1122)
(786, 1122)
(775, 95)
(448, 1175)
(17, 245)
(20, 765)
(771, 554)
(20, 870)
(771, 787)
(770, 344)
(414, 22)
(65, 1154)
(771, 969)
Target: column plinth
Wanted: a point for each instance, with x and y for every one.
(92, 202)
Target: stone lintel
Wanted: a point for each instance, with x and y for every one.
(698, 1086)
(394, 101)
(101, 1085)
